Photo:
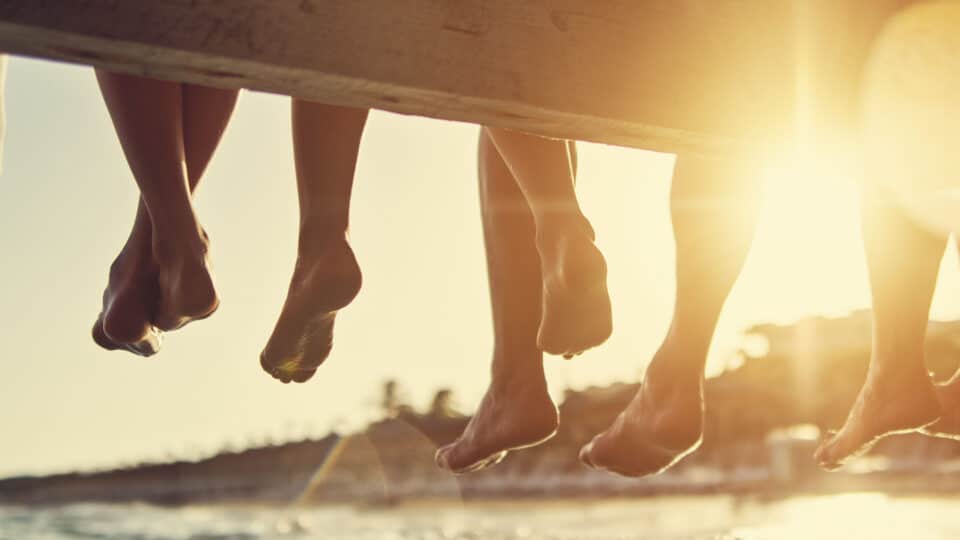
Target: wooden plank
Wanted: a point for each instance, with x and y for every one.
(708, 76)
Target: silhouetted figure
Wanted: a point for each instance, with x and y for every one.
(909, 118)
(898, 396)
(326, 277)
(516, 410)
(161, 279)
(714, 205)
(575, 314)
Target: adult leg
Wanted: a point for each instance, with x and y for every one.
(898, 395)
(148, 117)
(715, 205)
(948, 427)
(326, 277)
(132, 293)
(575, 306)
(516, 411)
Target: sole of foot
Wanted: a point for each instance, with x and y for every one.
(576, 313)
(905, 407)
(146, 346)
(186, 290)
(303, 337)
(124, 322)
(649, 437)
(502, 424)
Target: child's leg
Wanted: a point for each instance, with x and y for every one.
(326, 277)
(148, 117)
(715, 205)
(517, 410)
(132, 295)
(576, 309)
(898, 394)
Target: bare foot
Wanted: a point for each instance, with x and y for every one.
(324, 281)
(662, 425)
(124, 322)
(887, 405)
(576, 313)
(948, 427)
(185, 285)
(510, 417)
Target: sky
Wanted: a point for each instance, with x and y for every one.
(67, 202)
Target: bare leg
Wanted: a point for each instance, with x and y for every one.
(715, 205)
(948, 427)
(132, 293)
(148, 117)
(326, 277)
(516, 411)
(576, 308)
(898, 395)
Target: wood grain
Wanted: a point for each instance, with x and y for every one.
(708, 76)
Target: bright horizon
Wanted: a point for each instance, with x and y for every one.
(66, 205)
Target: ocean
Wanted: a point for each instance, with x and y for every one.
(850, 516)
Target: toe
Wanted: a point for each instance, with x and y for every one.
(304, 375)
(823, 455)
(441, 457)
(148, 346)
(100, 337)
(584, 455)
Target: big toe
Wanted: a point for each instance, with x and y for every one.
(584, 455)
(146, 345)
(826, 455)
(454, 458)
(444, 457)
(450, 458)
(101, 338)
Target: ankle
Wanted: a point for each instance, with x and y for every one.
(891, 384)
(555, 229)
(519, 376)
(679, 367)
(318, 238)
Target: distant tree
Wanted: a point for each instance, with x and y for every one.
(391, 400)
(442, 404)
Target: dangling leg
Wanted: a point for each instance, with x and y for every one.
(131, 297)
(148, 117)
(715, 205)
(326, 277)
(576, 308)
(898, 395)
(948, 427)
(516, 411)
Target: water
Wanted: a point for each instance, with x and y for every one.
(853, 516)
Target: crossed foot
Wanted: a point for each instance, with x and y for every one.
(661, 425)
(887, 405)
(512, 416)
(576, 313)
(152, 290)
(326, 278)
